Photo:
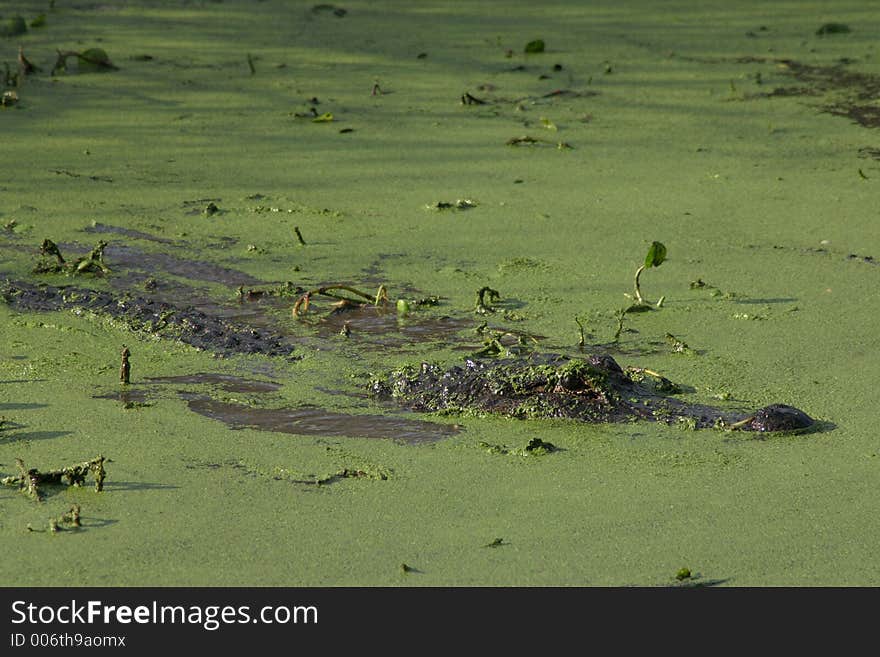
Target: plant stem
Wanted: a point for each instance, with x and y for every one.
(638, 292)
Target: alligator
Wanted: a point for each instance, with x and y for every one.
(185, 323)
(591, 389)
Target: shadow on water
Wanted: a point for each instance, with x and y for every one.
(126, 396)
(131, 257)
(21, 406)
(96, 523)
(763, 301)
(699, 583)
(309, 421)
(23, 380)
(136, 485)
(28, 436)
(128, 232)
(818, 426)
(228, 382)
(374, 322)
(306, 420)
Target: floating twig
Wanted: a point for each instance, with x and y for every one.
(25, 66)
(620, 315)
(125, 368)
(468, 99)
(581, 338)
(302, 304)
(95, 59)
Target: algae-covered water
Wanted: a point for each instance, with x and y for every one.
(743, 138)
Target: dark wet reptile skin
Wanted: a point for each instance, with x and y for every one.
(187, 324)
(590, 389)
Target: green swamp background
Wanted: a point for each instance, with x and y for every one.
(767, 198)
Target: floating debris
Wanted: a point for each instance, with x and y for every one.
(344, 302)
(483, 306)
(30, 479)
(468, 99)
(678, 346)
(536, 446)
(527, 140)
(91, 263)
(458, 204)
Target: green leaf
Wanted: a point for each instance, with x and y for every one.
(94, 59)
(656, 255)
(535, 46)
(39, 21)
(326, 117)
(14, 26)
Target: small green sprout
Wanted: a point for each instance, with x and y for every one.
(655, 257)
(381, 295)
